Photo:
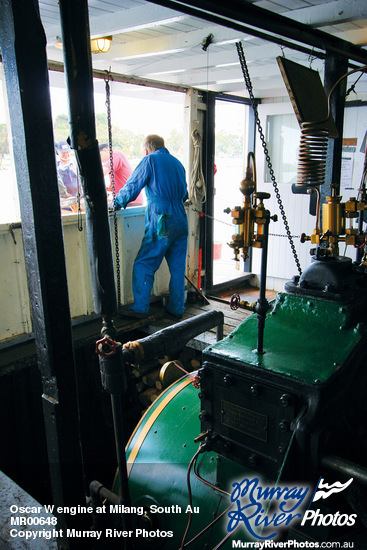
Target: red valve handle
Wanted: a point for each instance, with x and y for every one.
(235, 301)
(108, 343)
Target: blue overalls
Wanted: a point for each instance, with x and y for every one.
(69, 177)
(166, 228)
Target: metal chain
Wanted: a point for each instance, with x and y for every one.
(112, 174)
(78, 196)
(283, 235)
(231, 225)
(248, 83)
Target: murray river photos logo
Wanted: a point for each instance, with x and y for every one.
(264, 510)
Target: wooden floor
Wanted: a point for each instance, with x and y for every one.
(232, 318)
(86, 334)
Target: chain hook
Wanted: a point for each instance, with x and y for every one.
(107, 76)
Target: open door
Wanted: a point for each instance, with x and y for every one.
(231, 148)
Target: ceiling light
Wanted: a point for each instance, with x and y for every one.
(150, 54)
(229, 64)
(225, 42)
(230, 81)
(153, 24)
(101, 45)
(167, 72)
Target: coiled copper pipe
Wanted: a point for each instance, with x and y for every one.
(312, 154)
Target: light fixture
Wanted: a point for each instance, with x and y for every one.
(58, 43)
(101, 45)
(97, 45)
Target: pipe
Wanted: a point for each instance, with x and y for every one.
(99, 493)
(120, 453)
(345, 467)
(262, 304)
(113, 376)
(172, 339)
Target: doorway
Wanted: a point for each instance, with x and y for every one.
(231, 147)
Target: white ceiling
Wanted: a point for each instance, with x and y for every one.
(160, 44)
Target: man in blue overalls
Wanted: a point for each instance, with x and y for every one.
(166, 228)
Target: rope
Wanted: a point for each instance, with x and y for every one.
(195, 378)
(197, 190)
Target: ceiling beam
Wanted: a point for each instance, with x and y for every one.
(117, 77)
(123, 21)
(232, 12)
(330, 13)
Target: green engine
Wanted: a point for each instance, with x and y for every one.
(286, 418)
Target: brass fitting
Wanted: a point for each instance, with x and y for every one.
(333, 216)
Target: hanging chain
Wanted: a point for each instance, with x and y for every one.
(112, 175)
(246, 76)
(78, 197)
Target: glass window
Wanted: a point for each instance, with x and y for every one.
(135, 112)
(283, 141)
(9, 200)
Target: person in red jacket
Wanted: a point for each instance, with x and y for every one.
(121, 169)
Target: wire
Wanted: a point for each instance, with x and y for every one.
(208, 526)
(195, 377)
(208, 482)
(193, 464)
(363, 69)
(190, 496)
(352, 88)
(225, 539)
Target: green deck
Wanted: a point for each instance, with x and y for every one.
(304, 338)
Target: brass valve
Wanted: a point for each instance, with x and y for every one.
(249, 218)
(336, 216)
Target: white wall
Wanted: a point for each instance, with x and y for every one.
(281, 264)
(15, 318)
